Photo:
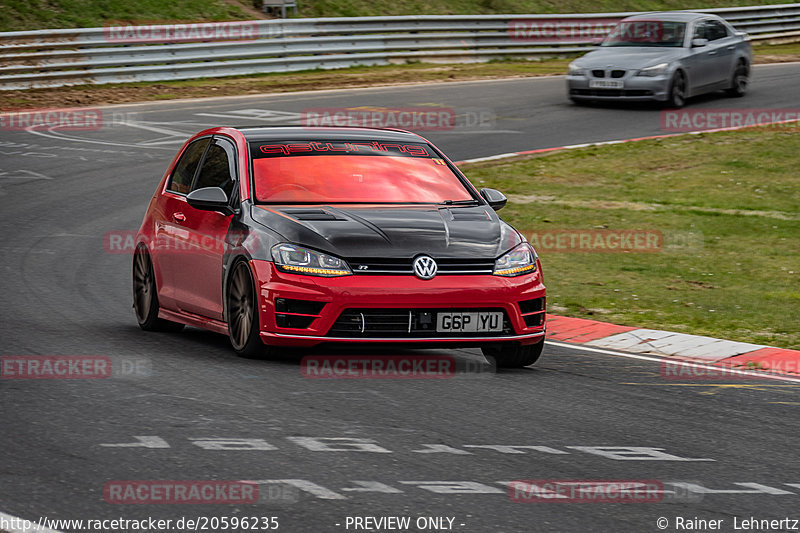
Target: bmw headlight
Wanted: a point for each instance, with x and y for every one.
(574, 70)
(298, 260)
(655, 70)
(520, 260)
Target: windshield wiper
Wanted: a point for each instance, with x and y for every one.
(460, 202)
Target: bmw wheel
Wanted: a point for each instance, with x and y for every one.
(677, 90)
(740, 80)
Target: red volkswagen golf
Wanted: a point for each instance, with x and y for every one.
(288, 236)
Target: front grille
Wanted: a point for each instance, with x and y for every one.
(367, 266)
(617, 73)
(611, 92)
(599, 73)
(404, 323)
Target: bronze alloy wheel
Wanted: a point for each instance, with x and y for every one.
(145, 296)
(243, 324)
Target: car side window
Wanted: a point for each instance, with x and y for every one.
(181, 180)
(715, 30)
(219, 167)
(700, 31)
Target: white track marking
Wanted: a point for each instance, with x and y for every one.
(690, 364)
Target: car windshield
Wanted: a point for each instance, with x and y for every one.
(353, 172)
(646, 33)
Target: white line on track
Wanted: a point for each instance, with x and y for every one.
(689, 364)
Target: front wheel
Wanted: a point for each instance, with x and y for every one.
(677, 91)
(740, 80)
(243, 324)
(514, 355)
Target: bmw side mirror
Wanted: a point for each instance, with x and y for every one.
(699, 43)
(209, 199)
(495, 198)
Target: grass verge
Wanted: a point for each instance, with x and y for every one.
(728, 205)
(86, 95)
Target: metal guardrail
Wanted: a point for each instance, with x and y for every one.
(52, 58)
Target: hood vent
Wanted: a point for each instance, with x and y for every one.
(310, 214)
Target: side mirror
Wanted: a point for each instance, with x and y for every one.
(209, 199)
(495, 198)
(699, 43)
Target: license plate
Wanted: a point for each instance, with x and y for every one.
(469, 322)
(606, 84)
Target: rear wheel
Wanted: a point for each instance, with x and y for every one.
(740, 80)
(514, 355)
(677, 90)
(243, 324)
(145, 297)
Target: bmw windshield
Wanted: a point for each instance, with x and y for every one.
(647, 33)
(353, 172)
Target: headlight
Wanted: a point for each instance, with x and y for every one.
(298, 260)
(655, 70)
(521, 260)
(574, 71)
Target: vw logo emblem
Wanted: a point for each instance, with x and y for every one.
(425, 267)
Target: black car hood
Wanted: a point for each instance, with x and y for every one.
(392, 231)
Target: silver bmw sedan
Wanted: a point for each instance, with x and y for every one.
(666, 57)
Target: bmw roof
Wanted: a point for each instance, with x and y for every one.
(676, 16)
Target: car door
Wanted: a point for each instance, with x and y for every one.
(708, 62)
(199, 281)
(722, 44)
(170, 233)
(698, 60)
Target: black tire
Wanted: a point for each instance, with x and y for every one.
(740, 80)
(242, 313)
(514, 355)
(145, 295)
(677, 91)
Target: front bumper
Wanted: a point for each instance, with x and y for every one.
(635, 89)
(398, 293)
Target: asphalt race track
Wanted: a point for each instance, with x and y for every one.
(334, 449)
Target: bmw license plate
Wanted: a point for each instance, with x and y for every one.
(606, 84)
(469, 322)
